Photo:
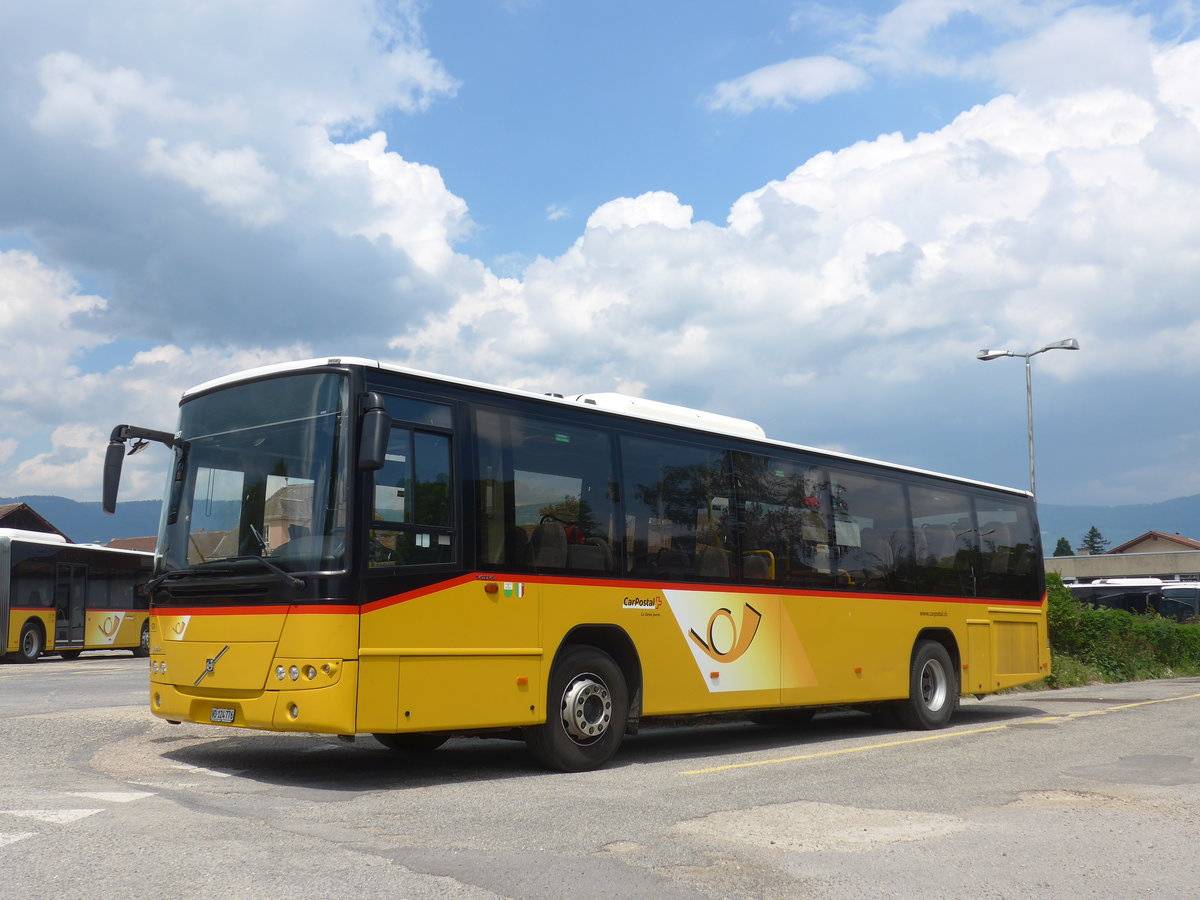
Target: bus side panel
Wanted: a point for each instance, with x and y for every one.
(842, 648)
(1018, 644)
(107, 629)
(476, 664)
(977, 670)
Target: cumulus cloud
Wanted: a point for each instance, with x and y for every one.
(652, 208)
(783, 84)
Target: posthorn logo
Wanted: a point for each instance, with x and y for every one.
(743, 635)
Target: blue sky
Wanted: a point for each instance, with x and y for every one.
(575, 104)
(809, 215)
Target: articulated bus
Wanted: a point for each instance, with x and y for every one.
(60, 598)
(348, 547)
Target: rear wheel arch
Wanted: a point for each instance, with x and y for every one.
(946, 638)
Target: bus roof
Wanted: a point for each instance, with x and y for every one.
(616, 404)
(40, 537)
(57, 540)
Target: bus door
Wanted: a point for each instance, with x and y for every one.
(69, 599)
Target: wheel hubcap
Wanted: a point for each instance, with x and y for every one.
(586, 709)
(933, 685)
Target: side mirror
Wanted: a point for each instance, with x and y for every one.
(114, 456)
(376, 428)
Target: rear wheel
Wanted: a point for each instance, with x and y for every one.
(932, 689)
(418, 742)
(143, 647)
(31, 644)
(587, 705)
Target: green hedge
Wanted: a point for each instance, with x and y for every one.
(1088, 645)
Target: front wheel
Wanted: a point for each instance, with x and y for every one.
(587, 706)
(932, 689)
(31, 644)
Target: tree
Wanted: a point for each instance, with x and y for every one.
(1094, 542)
(1063, 548)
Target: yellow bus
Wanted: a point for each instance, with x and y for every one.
(349, 547)
(60, 598)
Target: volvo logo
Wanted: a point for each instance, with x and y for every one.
(209, 666)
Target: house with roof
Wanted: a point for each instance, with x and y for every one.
(1157, 542)
(1155, 554)
(23, 517)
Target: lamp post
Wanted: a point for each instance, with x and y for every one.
(985, 355)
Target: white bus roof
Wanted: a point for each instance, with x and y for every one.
(40, 537)
(57, 540)
(618, 404)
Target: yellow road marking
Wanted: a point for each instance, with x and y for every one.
(942, 736)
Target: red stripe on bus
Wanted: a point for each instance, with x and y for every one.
(726, 588)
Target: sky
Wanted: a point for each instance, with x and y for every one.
(811, 215)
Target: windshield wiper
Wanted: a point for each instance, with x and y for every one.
(294, 580)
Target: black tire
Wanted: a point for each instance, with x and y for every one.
(32, 643)
(69, 655)
(932, 689)
(586, 711)
(417, 742)
(143, 647)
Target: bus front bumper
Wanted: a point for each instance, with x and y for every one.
(325, 709)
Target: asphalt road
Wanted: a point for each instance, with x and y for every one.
(1088, 792)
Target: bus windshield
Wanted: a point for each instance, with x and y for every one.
(260, 474)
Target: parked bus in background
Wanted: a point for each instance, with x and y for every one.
(1135, 595)
(1170, 599)
(348, 547)
(60, 598)
(1180, 600)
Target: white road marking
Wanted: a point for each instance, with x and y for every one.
(203, 771)
(53, 816)
(113, 796)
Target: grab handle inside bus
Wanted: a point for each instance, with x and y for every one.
(376, 427)
(115, 456)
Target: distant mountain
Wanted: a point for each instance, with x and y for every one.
(87, 523)
(1119, 524)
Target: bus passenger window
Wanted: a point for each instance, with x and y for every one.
(545, 498)
(677, 499)
(947, 539)
(784, 517)
(1008, 554)
(871, 532)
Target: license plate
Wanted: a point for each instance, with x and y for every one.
(222, 715)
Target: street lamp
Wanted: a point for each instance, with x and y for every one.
(985, 355)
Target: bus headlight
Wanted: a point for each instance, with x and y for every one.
(294, 673)
(280, 672)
